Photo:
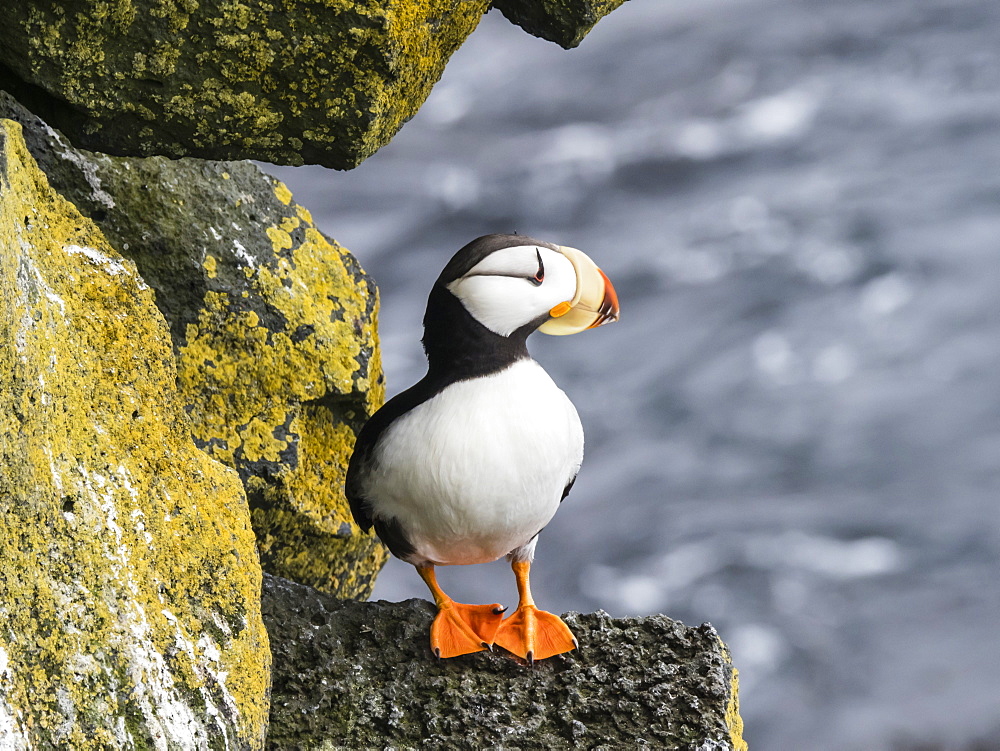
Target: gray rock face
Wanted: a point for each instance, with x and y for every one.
(361, 675)
(565, 22)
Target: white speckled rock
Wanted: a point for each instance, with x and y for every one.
(129, 583)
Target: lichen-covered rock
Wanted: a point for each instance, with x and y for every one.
(129, 584)
(361, 675)
(565, 22)
(290, 81)
(274, 328)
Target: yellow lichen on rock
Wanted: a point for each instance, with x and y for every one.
(271, 322)
(312, 491)
(260, 394)
(417, 35)
(733, 719)
(290, 82)
(129, 583)
(283, 193)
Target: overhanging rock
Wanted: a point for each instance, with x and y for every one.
(289, 82)
(361, 675)
(565, 22)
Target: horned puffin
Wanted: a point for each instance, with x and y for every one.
(470, 463)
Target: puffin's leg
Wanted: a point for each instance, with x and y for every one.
(529, 632)
(459, 629)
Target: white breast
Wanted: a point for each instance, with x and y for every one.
(479, 469)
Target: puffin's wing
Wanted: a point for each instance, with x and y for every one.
(357, 468)
(569, 487)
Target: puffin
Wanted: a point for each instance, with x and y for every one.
(469, 464)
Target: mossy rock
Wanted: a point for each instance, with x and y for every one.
(129, 584)
(290, 81)
(274, 332)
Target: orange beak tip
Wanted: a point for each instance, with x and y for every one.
(610, 311)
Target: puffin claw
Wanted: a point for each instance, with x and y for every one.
(499, 609)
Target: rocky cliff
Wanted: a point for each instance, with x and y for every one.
(272, 326)
(129, 584)
(185, 361)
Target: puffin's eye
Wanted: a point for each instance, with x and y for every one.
(539, 276)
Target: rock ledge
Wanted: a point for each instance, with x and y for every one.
(360, 675)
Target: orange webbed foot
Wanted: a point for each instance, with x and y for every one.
(534, 634)
(461, 629)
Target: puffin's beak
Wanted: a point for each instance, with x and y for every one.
(594, 304)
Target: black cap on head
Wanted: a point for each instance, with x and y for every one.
(478, 249)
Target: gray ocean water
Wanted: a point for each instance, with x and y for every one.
(794, 431)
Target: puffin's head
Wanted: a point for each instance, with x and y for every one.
(508, 282)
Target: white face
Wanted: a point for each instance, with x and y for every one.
(510, 288)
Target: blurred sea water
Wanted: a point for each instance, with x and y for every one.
(794, 430)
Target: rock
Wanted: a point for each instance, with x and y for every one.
(129, 585)
(273, 326)
(565, 22)
(361, 675)
(291, 82)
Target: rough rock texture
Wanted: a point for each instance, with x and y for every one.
(289, 81)
(129, 585)
(361, 675)
(565, 22)
(274, 329)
